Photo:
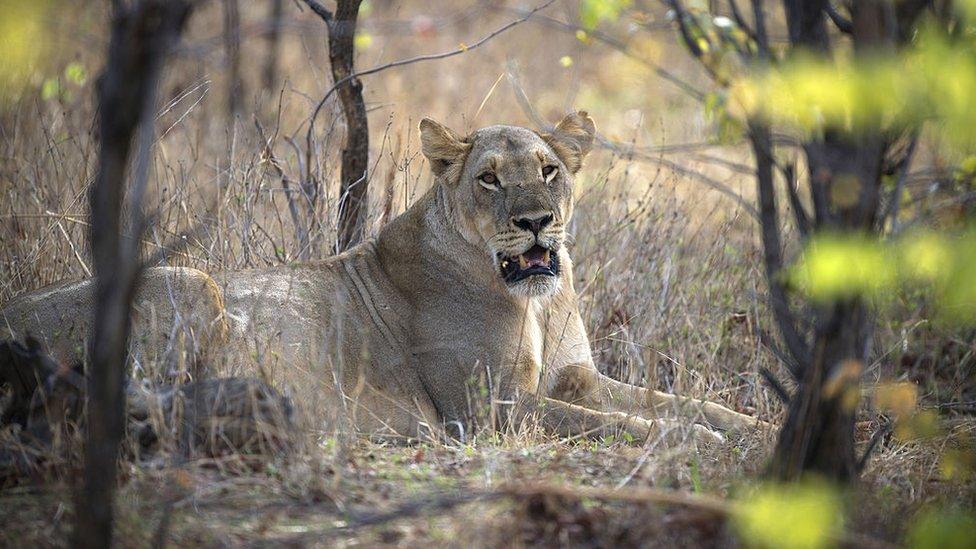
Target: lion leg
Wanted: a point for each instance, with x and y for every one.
(584, 385)
(570, 420)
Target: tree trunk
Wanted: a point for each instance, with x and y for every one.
(818, 435)
(355, 155)
(141, 37)
(274, 44)
(232, 51)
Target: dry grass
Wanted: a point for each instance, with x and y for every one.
(669, 273)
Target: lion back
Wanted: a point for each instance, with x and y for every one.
(177, 319)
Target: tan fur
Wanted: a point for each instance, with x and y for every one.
(416, 328)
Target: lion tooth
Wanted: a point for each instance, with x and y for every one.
(523, 263)
(545, 257)
(504, 264)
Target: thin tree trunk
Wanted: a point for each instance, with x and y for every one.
(141, 37)
(232, 50)
(355, 155)
(274, 45)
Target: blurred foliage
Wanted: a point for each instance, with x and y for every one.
(943, 529)
(791, 516)
(933, 82)
(810, 515)
(22, 42)
(59, 88)
(839, 266)
(899, 398)
(363, 40)
(593, 12)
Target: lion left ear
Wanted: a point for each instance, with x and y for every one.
(443, 148)
(572, 139)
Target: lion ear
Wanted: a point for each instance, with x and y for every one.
(442, 147)
(572, 139)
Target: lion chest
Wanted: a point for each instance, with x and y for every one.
(469, 347)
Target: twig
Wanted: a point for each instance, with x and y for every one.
(895, 201)
(678, 168)
(800, 214)
(319, 10)
(741, 21)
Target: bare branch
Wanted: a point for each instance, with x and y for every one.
(894, 201)
(843, 25)
(319, 10)
(775, 385)
(681, 16)
(626, 150)
(772, 245)
(876, 438)
(739, 20)
(800, 214)
(762, 38)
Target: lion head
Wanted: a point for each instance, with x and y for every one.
(510, 191)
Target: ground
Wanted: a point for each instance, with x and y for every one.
(500, 491)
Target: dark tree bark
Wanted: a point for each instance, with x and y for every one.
(818, 434)
(355, 155)
(142, 35)
(274, 45)
(232, 51)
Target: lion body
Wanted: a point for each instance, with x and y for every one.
(413, 330)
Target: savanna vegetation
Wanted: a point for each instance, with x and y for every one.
(778, 215)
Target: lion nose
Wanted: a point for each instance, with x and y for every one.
(534, 224)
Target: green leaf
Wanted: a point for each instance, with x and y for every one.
(696, 484)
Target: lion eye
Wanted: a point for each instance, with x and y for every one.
(549, 171)
(488, 180)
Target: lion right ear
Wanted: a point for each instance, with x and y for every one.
(442, 147)
(572, 139)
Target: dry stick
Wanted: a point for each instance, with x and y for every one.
(403, 62)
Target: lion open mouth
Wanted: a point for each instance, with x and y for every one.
(534, 261)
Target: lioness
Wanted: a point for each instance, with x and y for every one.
(471, 282)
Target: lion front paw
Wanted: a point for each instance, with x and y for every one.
(672, 432)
